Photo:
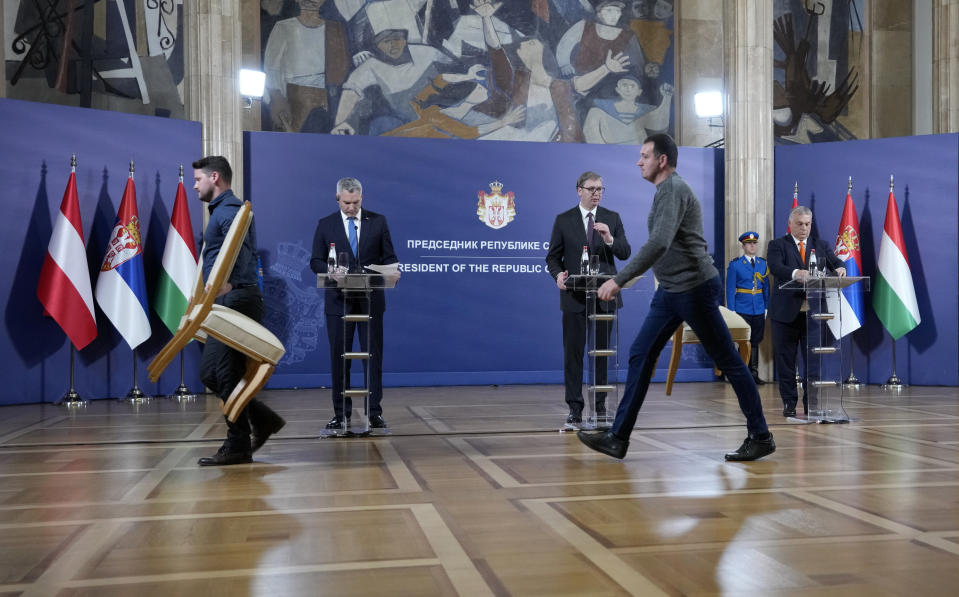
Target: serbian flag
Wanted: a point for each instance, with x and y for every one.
(849, 303)
(795, 203)
(64, 287)
(121, 285)
(893, 295)
(179, 264)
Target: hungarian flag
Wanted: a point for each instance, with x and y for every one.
(849, 303)
(179, 264)
(121, 285)
(64, 287)
(795, 203)
(893, 295)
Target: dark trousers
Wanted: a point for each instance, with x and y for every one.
(699, 307)
(575, 329)
(340, 343)
(787, 337)
(757, 328)
(221, 367)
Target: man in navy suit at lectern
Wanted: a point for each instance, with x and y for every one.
(601, 231)
(788, 258)
(361, 238)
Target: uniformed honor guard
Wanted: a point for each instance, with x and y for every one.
(747, 293)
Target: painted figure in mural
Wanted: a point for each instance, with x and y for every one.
(363, 238)
(601, 231)
(306, 57)
(548, 99)
(649, 26)
(689, 290)
(396, 71)
(803, 105)
(457, 106)
(587, 45)
(625, 121)
(469, 36)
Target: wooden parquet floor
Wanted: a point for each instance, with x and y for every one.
(476, 493)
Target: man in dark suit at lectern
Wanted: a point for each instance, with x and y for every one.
(601, 231)
(364, 238)
(788, 259)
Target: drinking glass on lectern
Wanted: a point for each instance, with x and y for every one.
(343, 261)
(593, 265)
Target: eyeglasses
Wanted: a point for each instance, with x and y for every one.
(593, 189)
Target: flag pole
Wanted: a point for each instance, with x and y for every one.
(851, 382)
(182, 392)
(72, 398)
(893, 383)
(135, 395)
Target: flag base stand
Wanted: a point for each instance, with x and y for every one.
(852, 382)
(893, 384)
(183, 394)
(72, 399)
(136, 396)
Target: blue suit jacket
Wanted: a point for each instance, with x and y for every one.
(375, 247)
(782, 257)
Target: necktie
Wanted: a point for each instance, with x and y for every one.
(802, 251)
(589, 229)
(352, 226)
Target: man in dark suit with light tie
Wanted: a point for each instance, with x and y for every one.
(364, 238)
(788, 259)
(601, 231)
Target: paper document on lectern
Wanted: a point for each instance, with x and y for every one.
(390, 272)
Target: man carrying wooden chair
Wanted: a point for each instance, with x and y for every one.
(222, 367)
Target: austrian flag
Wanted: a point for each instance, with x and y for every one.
(64, 287)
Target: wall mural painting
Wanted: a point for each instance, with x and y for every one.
(524, 70)
(819, 56)
(124, 55)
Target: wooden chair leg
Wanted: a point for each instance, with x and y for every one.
(257, 374)
(674, 357)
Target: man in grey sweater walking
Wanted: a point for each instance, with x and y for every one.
(689, 290)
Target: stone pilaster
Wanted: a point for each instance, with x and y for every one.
(890, 80)
(748, 35)
(213, 57)
(945, 66)
(749, 127)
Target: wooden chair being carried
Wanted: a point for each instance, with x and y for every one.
(205, 319)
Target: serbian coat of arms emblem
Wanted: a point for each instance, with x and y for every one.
(124, 244)
(495, 209)
(847, 243)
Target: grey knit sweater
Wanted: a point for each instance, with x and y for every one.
(676, 249)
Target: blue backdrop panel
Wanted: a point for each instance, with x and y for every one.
(927, 191)
(470, 308)
(38, 140)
